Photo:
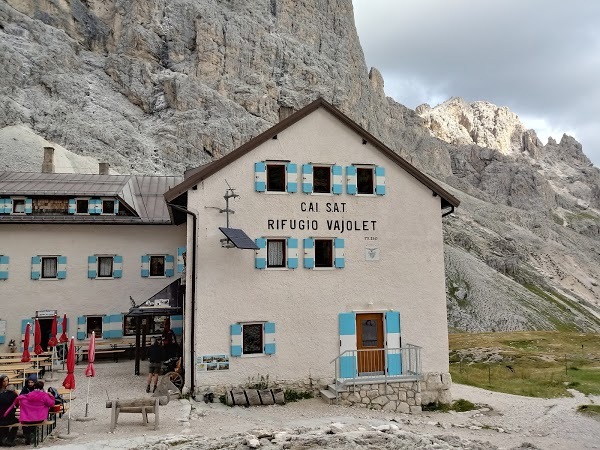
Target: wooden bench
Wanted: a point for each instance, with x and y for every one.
(114, 352)
(38, 435)
(141, 405)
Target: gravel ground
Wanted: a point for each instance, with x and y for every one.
(505, 422)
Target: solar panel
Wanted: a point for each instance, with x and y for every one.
(239, 238)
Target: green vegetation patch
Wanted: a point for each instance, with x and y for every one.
(292, 395)
(460, 405)
(593, 410)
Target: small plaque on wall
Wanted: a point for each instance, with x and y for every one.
(371, 253)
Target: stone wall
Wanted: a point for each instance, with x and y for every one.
(407, 397)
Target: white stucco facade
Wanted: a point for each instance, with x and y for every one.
(77, 295)
(405, 225)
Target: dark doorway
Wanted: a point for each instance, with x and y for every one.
(46, 329)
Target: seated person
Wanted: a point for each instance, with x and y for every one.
(28, 386)
(34, 408)
(7, 398)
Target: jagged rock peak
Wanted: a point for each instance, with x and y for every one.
(482, 123)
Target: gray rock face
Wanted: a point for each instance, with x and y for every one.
(155, 86)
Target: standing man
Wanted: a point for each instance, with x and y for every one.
(155, 357)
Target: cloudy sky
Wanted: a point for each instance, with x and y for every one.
(541, 58)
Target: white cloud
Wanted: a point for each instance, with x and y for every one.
(540, 58)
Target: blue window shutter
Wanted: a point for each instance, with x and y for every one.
(116, 207)
(260, 177)
(292, 177)
(309, 253)
(72, 206)
(307, 178)
(177, 325)
(36, 267)
(61, 273)
(337, 177)
(339, 260)
(98, 207)
(81, 328)
(24, 323)
(2, 205)
(28, 206)
(106, 328)
(7, 205)
(4, 260)
(116, 325)
(117, 266)
(380, 180)
(292, 253)
(347, 324)
(180, 262)
(3, 334)
(91, 206)
(169, 265)
(145, 265)
(392, 338)
(351, 180)
(260, 255)
(92, 266)
(269, 328)
(236, 339)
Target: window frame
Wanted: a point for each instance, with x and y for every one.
(112, 270)
(371, 168)
(87, 205)
(150, 256)
(331, 253)
(112, 210)
(284, 265)
(276, 163)
(88, 333)
(262, 351)
(42, 258)
(330, 178)
(12, 209)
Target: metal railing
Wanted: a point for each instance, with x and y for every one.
(384, 365)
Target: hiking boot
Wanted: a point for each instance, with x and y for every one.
(148, 389)
(154, 390)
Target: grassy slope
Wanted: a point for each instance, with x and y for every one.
(532, 363)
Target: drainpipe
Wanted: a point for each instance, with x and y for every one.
(188, 360)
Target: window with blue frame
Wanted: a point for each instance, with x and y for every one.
(252, 338)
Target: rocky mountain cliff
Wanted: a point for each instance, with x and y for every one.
(155, 86)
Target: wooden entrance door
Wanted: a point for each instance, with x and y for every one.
(369, 343)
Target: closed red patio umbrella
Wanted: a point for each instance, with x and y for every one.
(52, 342)
(37, 338)
(63, 337)
(90, 371)
(69, 382)
(26, 356)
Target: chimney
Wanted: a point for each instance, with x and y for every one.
(48, 164)
(103, 168)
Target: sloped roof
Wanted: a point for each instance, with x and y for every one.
(195, 176)
(142, 194)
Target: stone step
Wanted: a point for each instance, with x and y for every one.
(336, 388)
(328, 395)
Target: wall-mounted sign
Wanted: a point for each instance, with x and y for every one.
(371, 253)
(207, 363)
(45, 313)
